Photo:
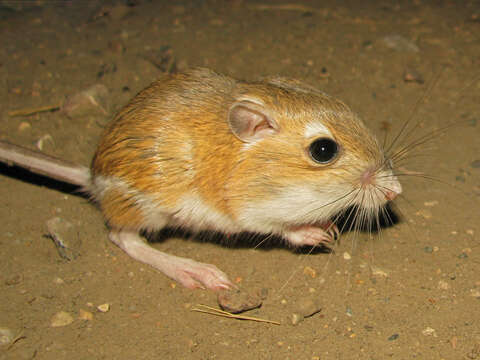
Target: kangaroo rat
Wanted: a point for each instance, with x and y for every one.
(206, 152)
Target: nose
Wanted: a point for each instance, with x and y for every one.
(393, 189)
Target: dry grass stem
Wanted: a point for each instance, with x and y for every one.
(212, 311)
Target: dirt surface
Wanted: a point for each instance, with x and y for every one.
(412, 291)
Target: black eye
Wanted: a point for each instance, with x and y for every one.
(323, 150)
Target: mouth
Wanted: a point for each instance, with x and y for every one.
(378, 188)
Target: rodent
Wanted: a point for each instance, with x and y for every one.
(204, 151)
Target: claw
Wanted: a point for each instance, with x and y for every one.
(312, 235)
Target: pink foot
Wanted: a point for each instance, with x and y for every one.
(189, 273)
(312, 235)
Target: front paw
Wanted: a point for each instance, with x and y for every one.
(312, 235)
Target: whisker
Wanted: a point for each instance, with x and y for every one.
(431, 178)
(352, 211)
(403, 214)
(413, 112)
(266, 238)
(385, 214)
(468, 85)
(357, 213)
(422, 140)
(409, 156)
(329, 203)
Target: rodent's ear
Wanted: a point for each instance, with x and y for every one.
(250, 121)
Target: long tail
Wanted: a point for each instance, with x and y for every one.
(42, 164)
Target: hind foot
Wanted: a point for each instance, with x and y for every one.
(189, 273)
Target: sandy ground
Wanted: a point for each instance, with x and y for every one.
(411, 292)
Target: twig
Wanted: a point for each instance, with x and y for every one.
(212, 311)
(31, 111)
(20, 336)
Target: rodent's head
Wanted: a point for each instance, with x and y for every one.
(306, 156)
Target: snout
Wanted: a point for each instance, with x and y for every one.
(393, 188)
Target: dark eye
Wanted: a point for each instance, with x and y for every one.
(323, 150)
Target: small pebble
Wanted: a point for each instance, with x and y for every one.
(475, 293)
(85, 315)
(426, 214)
(431, 203)
(116, 46)
(103, 308)
(412, 75)
(368, 327)
(65, 236)
(379, 272)
(393, 337)
(6, 336)
(347, 256)
(44, 140)
(400, 43)
(304, 308)
(324, 73)
(453, 342)
(428, 249)
(297, 319)
(372, 291)
(24, 126)
(443, 285)
(429, 332)
(92, 101)
(61, 318)
(14, 280)
(475, 164)
(368, 44)
(238, 300)
(310, 272)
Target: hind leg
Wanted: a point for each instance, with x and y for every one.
(189, 273)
